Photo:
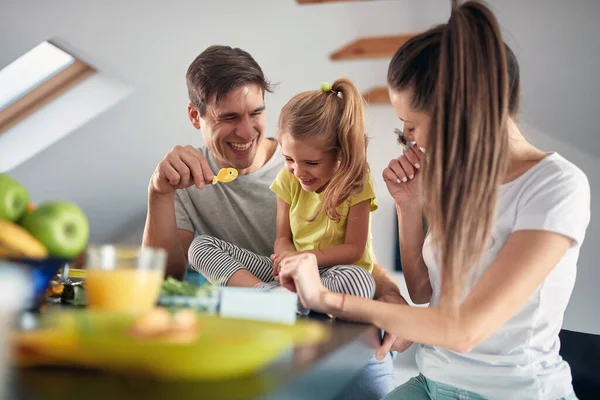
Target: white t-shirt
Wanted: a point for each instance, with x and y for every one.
(521, 359)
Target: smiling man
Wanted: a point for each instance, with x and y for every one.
(226, 90)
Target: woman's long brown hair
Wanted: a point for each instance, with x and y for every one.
(334, 120)
(469, 103)
(470, 143)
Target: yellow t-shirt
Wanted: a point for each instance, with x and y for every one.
(323, 232)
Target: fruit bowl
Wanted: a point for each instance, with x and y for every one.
(41, 273)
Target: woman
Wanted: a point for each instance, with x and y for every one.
(505, 225)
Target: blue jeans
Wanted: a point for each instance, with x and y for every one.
(194, 277)
(373, 382)
(421, 388)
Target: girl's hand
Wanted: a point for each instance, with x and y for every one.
(403, 177)
(300, 273)
(277, 258)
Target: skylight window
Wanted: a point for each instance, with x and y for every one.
(34, 79)
(30, 70)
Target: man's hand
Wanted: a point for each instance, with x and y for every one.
(391, 342)
(182, 167)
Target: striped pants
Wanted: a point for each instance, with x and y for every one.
(218, 260)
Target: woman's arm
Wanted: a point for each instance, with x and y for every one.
(355, 240)
(404, 180)
(283, 241)
(522, 265)
(411, 236)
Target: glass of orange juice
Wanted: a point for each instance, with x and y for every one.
(123, 278)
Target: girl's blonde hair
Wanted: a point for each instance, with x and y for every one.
(336, 118)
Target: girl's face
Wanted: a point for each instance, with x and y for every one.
(311, 164)
(414, 124)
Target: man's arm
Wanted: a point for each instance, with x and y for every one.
(161, 232)
(181, 168)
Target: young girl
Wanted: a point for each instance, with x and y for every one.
(324, 194)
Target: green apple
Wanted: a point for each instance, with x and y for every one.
(61, 226)
(13, 198)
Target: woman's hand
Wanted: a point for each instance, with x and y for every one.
(403, 177)
(300, 273)
(278, 258)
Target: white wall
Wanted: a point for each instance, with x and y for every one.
(381, 122)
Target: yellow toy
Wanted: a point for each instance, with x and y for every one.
(225, 175)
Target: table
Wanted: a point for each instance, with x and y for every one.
(312, 372)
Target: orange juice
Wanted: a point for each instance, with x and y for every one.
(128, 290)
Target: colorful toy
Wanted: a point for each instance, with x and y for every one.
(225, 175)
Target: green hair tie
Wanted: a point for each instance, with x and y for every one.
(326, 87)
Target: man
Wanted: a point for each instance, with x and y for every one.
(226, 89)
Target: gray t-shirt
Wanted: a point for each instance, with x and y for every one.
(242, 212)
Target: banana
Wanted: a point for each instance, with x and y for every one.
(6, 252)
(16, 242)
